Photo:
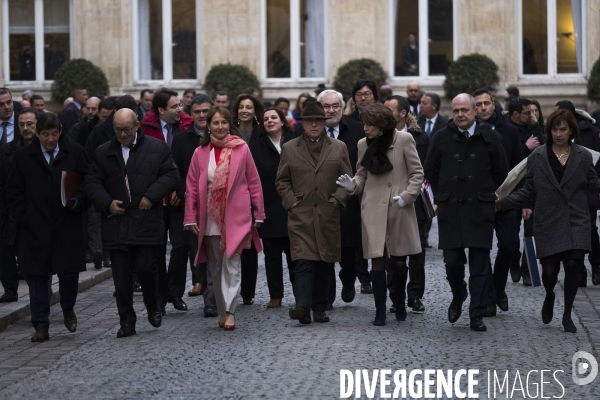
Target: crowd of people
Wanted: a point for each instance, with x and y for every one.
(111, 180)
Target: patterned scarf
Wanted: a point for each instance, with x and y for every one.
(218, 194)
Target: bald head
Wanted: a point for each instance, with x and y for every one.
(413, 91)
(92, 107)
(463, 110)
(126, 125)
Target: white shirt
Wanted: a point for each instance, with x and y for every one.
(163, 126)
(405, 129)
(470, 131)
(212, 229)
(432, 122)
(125, 150)
(277, 145)
(10, 128)
(46, 155)
(336, 131)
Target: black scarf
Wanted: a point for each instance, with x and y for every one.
(375, 159)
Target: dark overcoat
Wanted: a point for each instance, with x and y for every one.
(50, 237)
(589, 136)
(183, 147)
(151, 173)
(561, 220)
(464, 174)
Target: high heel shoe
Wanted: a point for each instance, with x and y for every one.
(221, 324)
(568, 324)
(229, 327)
(548, 308)
(274, 303)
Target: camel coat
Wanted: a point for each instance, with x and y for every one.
(384, 223)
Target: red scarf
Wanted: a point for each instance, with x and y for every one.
(218, 193)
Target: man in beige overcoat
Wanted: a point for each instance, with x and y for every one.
(309, 167)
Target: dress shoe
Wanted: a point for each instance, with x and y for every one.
(329, 307)
(548, 308)
(490, 311)
(137, 288)
(179, 304)
(455, 310)
(478, 325)
(568, 324)
(155, 318)
(393, 309)
(9, 297)
(196, 290)
(348, 294)
(515, 272)
(210, 312)
(40, 336)
(274, 303)
(596, 275)
(417, 306)
(365, 288)
(126, 330)
(248, 302)
(300, 314)
(88, 257)
(502, 301)
(526, 280)
(163, 311)
(320, 316)
(70, 320)
(106, 263)
(97, 260)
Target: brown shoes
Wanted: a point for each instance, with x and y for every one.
(274, 303)
(196, 290)
(70, 320)
(40, 336)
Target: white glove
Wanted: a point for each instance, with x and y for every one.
(346, 182)
(400, 201)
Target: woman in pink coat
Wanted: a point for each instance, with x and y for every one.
(223, 194)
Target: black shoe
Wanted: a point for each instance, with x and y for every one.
(179, 304)
(410, 302)
(300, 314)
(126, 330)
(348, 294)
(365, 288)
(97, 260)
(320, 316)
(88, 257)
(393, 309)
(329, 307)
(106, 263)
(490, 311)
(417, 306)
(155, 318)
(455, 310)
(568, 324)
(526, 280)
(515, 272)
(137, 288)
(596, 275)
(401, 312)
(548, 308)
(502, 301)
(163, 311)
(9, 297)
(248, 302)
(210, 312)
(478, 325)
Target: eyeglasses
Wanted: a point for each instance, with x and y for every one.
(364, 95)
(526, 112)
(334, 107)
(176, 106)
(126, 131)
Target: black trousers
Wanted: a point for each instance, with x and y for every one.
(349, 267)
(479, 264)
(362, 266)
(144, 259)
(311, 284)
(273, 248)
(200, 273)
(507, 228)
(416, 266)
(172, 281)
(594, 256)
(8, 269)
(249, 258)
(39, 296)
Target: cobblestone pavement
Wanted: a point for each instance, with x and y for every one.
(270, 356)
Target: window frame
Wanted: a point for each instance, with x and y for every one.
(38, 6)
(552, 46)
(423, 32)
(295, 57)
(167, 56)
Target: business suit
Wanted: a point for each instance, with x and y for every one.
(70, 116)
(440, 123)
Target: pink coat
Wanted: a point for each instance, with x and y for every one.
(243, 190)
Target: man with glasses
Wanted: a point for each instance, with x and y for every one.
(163, 122)
(364, 94)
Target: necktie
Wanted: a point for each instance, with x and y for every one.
(331, 134)
(428, 127)
(51, 155)
(4, 132)
(169, 135)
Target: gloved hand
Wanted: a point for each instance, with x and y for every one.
(346, 182)
(400, 201)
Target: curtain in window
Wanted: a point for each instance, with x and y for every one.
(144, 58)
(577, 27)
(315, 39)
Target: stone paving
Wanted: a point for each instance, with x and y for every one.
(271, 356)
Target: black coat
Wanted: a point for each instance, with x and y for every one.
(440, 123)
(464, 175)
(525, 132)
(69, 117)
(151, 172)
(589, 136)
(50, 237)
(81, 135)
(8, 228)
(596, 116)
(183, 147)
(422, 142)
(355, 115)
(511, 141)
(102, 133)
(266, 158)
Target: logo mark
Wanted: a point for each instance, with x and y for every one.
(584, 363)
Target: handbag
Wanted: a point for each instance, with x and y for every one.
(427, 198)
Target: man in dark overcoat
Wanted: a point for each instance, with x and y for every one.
(132, 221)
(50, 236)
(465, 165)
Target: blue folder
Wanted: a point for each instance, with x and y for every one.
(532, 262)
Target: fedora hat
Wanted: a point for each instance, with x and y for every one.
(313, 110)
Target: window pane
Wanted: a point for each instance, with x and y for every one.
(184, 39)
(568, 29)
(535, 37)
(441, 36)
(21, 34)
(406, 20)
(57, 46)
(278, 39)
(312, 36)
(150, 38)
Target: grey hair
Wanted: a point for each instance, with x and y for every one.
(330, 91)
(471, 99)
(28, 93)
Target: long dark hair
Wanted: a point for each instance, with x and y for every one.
(223, 112)
(259, 108)
(286, 125)
(541, 118)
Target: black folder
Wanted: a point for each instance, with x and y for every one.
(118, 188)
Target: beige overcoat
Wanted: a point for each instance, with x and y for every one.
(314, 223)
(384, 223)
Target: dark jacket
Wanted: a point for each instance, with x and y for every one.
(266, 158)
(464, 175)
(69, 117)
(589, 136)
(596, 117)
(151, 172)
(525, 132)
(355, 115)
(82, 134)
(100, 134)
(511, 141)
(8, 228)
(50, 237)
(422, 143)
(440, 123)
(183, 147)
(140, 114)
